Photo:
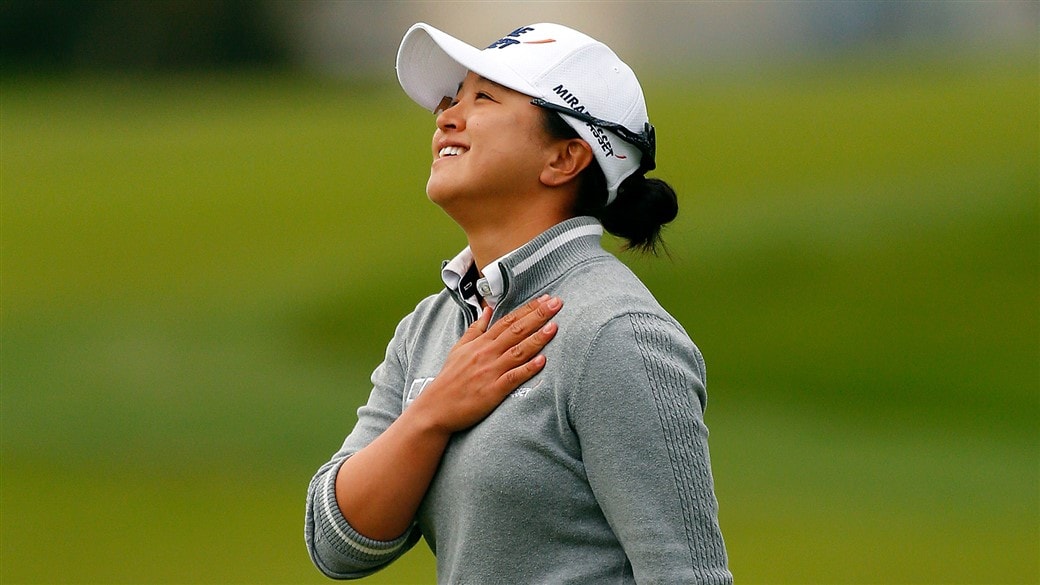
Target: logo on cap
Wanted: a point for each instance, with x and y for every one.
(511, 39)
(600, 134)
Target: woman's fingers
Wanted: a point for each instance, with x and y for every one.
(518, 375)
(529, 346)
(521, 323)
(478, 327)
(524, 359)
(489, 362)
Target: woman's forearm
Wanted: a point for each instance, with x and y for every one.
(380, 487)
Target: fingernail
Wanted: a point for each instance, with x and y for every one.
(543, 297)
(554, 303)
(548, 328)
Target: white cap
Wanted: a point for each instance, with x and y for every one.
(574, 74)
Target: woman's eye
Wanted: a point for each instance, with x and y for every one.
(482, 95)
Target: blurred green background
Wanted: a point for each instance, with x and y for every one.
(203, 258)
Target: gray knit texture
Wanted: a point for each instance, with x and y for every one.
(595, 471)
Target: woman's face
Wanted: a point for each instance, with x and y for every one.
(488, 150)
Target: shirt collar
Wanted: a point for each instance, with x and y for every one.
(490, 287)
(528, 268)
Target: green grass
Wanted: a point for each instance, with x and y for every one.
(198, 274)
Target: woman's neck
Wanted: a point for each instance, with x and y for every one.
(491, 240)
(495, 226)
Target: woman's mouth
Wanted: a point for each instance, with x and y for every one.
(451, 151)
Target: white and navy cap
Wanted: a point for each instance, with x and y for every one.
(561, 68)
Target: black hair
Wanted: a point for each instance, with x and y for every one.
(642, 206)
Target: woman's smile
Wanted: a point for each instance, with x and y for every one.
(451, 151)
(496, 140)
(526, 443)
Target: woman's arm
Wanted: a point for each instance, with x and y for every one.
(639, 414)
(379, 489)
(362, 504)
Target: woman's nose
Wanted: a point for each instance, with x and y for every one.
(451, 118)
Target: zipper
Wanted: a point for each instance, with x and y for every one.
(495, 313)
(468, 310)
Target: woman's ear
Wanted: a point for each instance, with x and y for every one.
(569, 158)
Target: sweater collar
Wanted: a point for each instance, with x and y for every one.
(517, 276)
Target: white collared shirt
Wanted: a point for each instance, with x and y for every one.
(491, 285)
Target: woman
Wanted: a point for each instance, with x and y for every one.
(528, 440)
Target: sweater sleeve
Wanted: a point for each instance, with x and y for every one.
(338, 550)
(638, 413)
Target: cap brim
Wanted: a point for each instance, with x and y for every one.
(431, 64)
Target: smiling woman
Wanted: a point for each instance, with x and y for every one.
(489, 152)
(539, 420)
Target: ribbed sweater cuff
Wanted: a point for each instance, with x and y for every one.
(337, 533)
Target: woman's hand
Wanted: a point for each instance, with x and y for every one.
(488, 363)
(379, 488)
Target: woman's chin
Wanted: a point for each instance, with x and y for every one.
(441, 191)
(433, 190)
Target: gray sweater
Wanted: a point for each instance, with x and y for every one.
(594, 471)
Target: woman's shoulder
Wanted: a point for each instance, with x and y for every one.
(607, 286)
(429, 309)
(604, 292)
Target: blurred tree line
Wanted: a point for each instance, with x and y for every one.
(63, 35)
(351, 37)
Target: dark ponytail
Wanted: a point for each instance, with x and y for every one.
(642, 206)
